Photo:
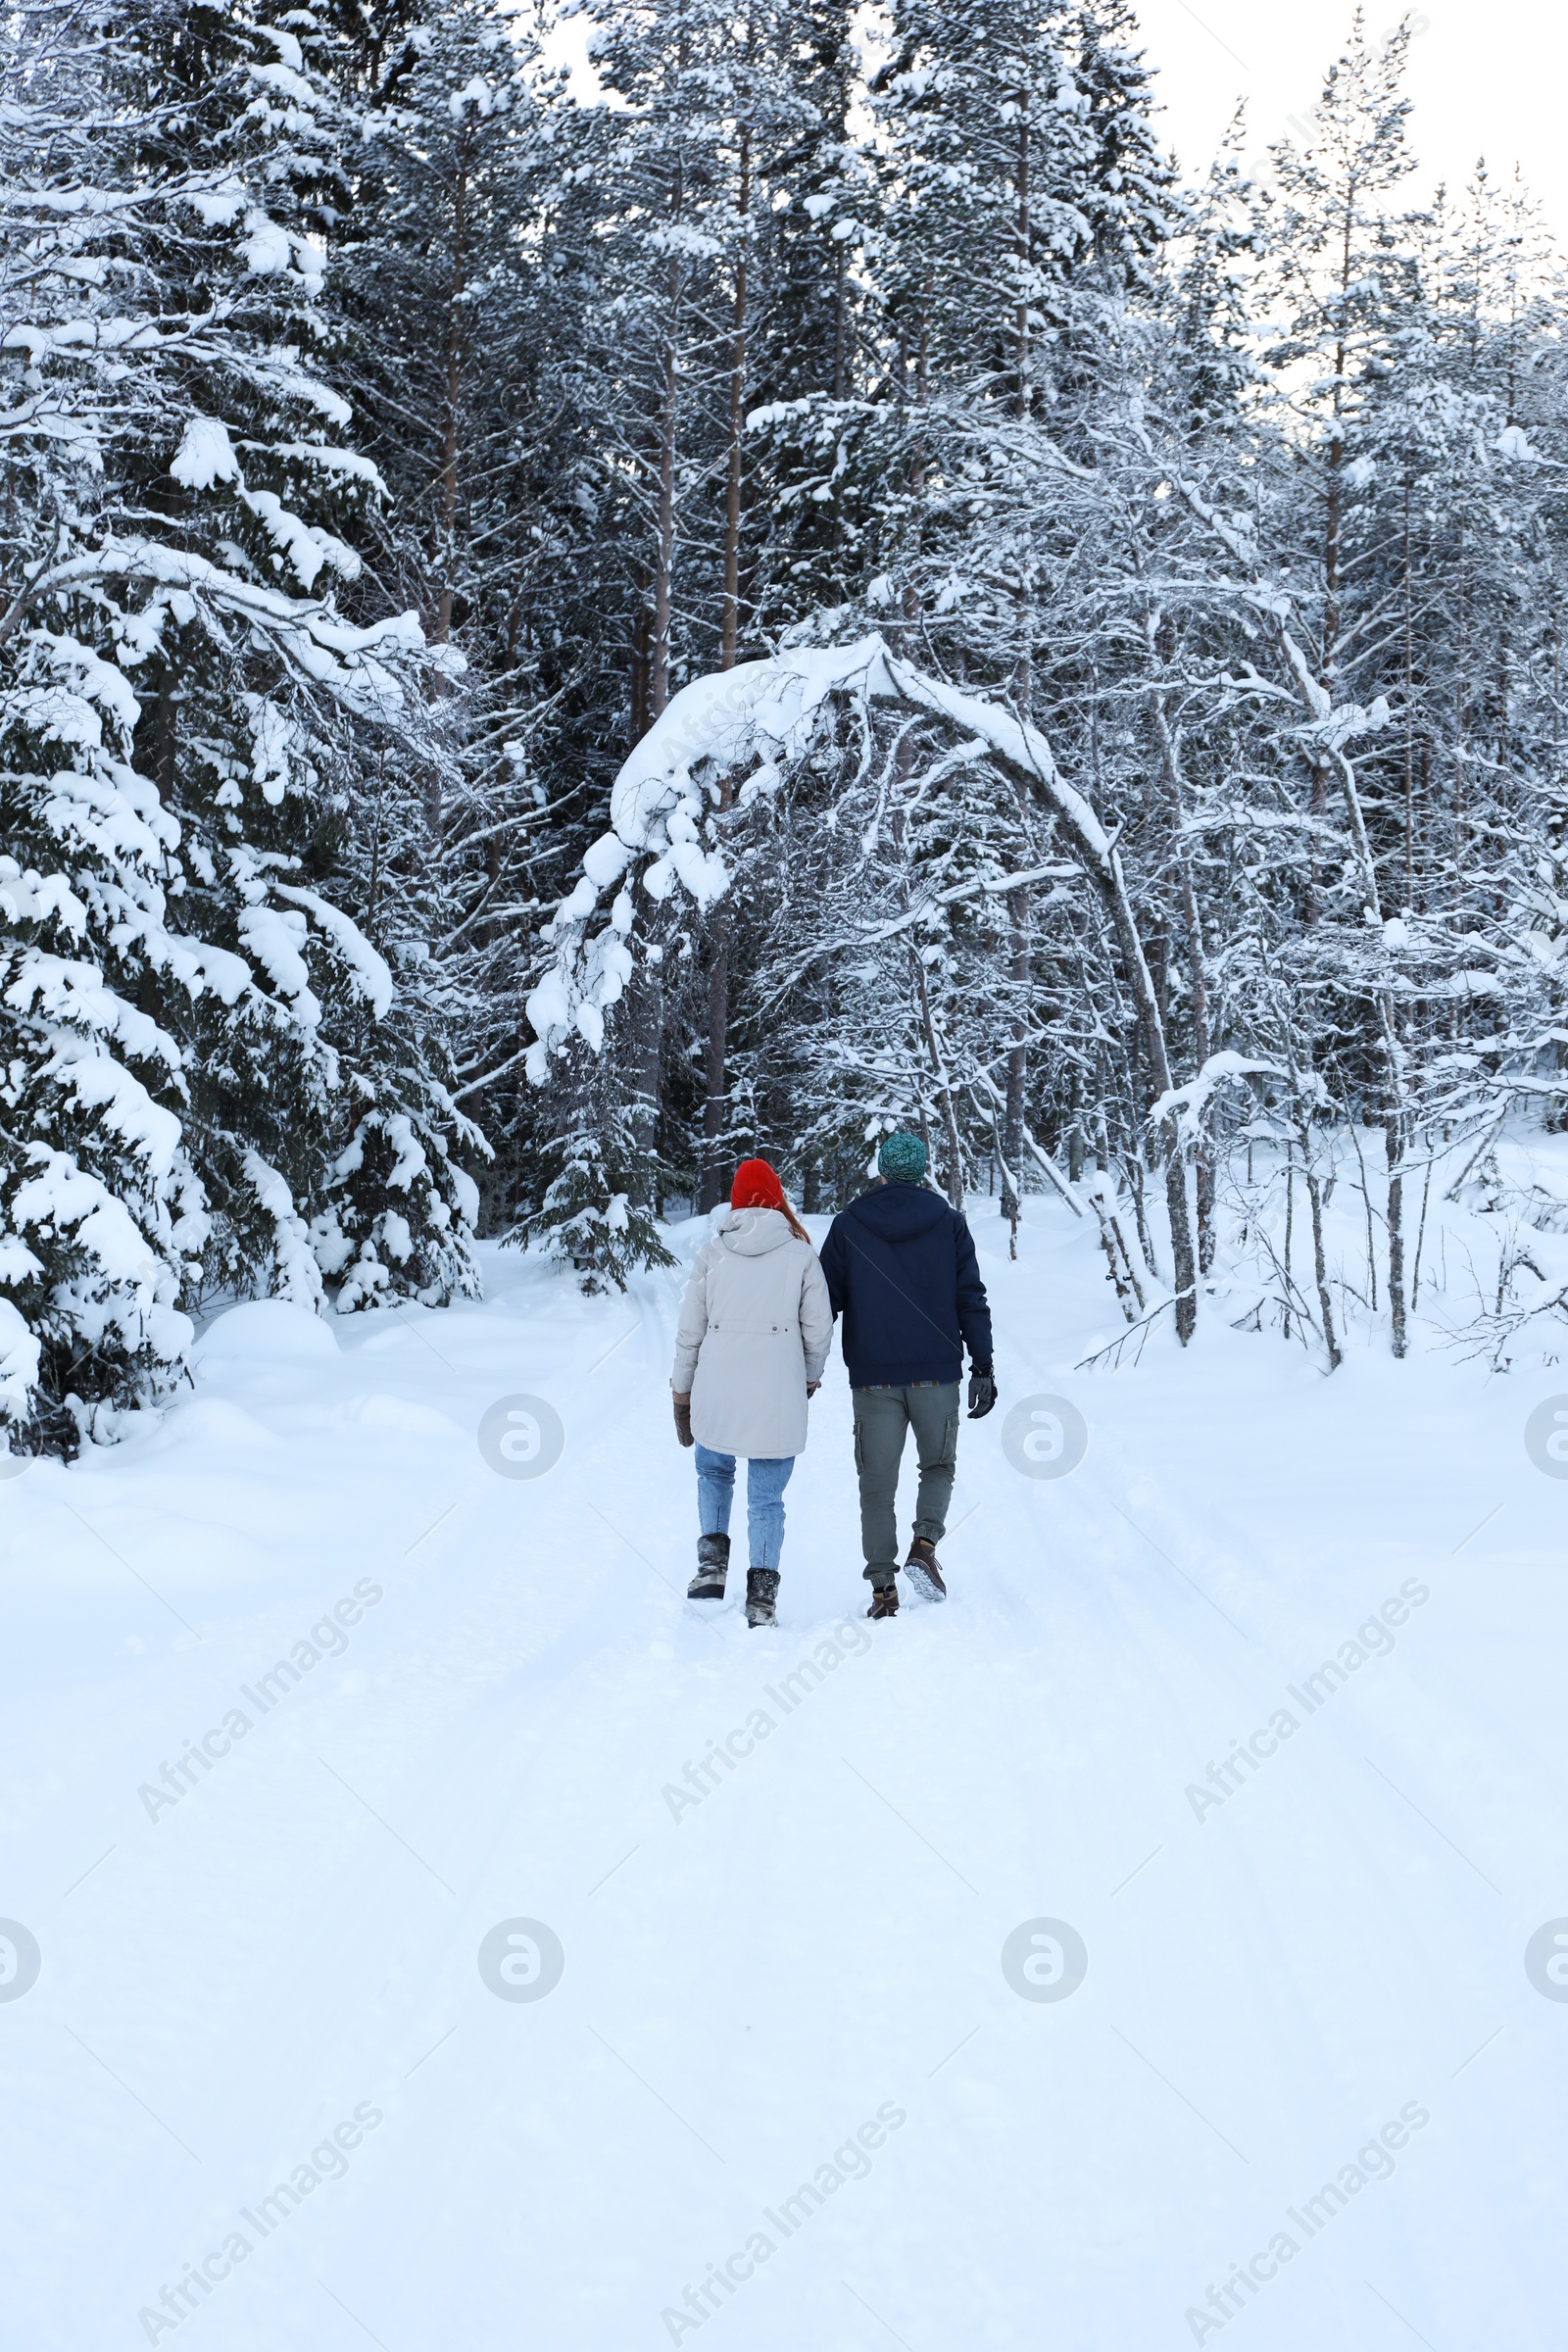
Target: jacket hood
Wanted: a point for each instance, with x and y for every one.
(754, 1232)
(897, 1212)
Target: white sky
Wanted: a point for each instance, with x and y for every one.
(1487, 77)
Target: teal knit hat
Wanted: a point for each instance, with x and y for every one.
(901, 1159)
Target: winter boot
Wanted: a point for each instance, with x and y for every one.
(761, 1591)
(924, 1571)
(884, 1601)
(712, 1565)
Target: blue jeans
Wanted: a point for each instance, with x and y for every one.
(765, 1482)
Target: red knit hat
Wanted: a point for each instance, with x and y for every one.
(756, 1187)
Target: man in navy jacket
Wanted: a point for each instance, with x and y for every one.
(901, 1270)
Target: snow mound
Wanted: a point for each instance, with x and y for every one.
(400, 1418)
(265, 1331)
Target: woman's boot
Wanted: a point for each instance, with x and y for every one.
(712, 1566)
(761, 1591)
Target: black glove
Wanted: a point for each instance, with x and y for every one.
(982, 1393)
(683, 1416)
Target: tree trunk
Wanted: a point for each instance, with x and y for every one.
(1460, 703)
(737, 420)
(642, 657)
(1184, 1262)
(1020, 315)
(161, 728)
(1204, 1154)
(446, 597)
(1012, 1119)
(1314, 1198)
(1394, 1138)
(647, 1034)
(664, 551)
(922, 394)
(1289, 1229)
(840, 320)
(664, 555)
(1409, 713)
(717, 1106)
(1075, 1134)
(950, 1124)
(1018, 960)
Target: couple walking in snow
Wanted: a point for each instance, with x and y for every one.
(755, 1326)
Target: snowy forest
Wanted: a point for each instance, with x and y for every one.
(548, 643)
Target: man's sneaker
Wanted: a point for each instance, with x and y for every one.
(712, 1565)
(761, 1591)
(924, 1571)
(884, 1601)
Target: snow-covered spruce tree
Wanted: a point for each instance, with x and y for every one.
(817, 443)
(601, 1186)
(400, 1203)
(821, 189)
(102, 1218)
(457, 314)
(667, 169)
(275, 802)
(187, 711)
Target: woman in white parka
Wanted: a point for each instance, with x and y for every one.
(754, 1331)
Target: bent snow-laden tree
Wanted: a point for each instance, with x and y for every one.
(748, 725)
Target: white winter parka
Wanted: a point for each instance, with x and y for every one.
(755, 1327)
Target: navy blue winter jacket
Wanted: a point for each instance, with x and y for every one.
(901, 1271)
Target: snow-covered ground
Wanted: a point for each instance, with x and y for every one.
(783, 2040)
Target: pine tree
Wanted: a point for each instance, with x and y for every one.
(185, 709)
(596, 1215)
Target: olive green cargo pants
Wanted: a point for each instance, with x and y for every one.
(881, 1416)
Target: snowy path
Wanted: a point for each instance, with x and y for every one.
(796, 1979)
